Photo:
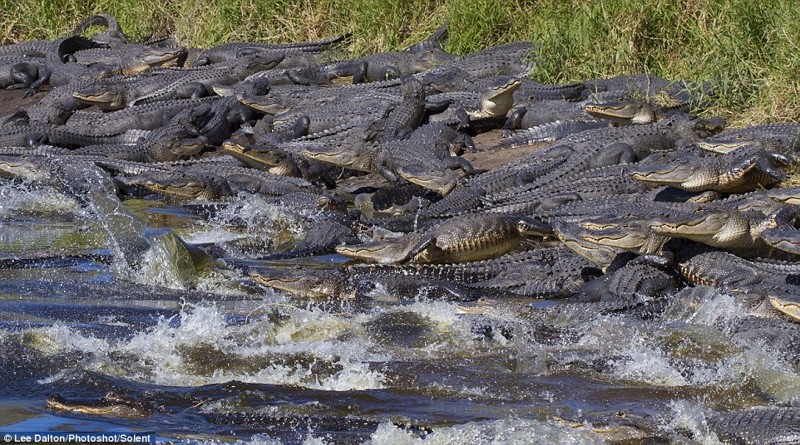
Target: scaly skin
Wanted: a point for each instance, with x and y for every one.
(110, 404)
(741, 171)
(729, 229)
(757, 425)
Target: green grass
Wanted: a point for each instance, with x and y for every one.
(749, 50)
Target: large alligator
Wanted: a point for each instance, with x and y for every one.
(144, 117)
(628, 112)
(228, 51)
(783, 137)
(469, 238)
(746, 169)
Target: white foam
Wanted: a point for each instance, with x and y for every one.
(503, 431)
(16, 198)
(59, 338)
(689, 416)
(311, 333)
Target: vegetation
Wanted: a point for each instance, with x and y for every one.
(749, 49)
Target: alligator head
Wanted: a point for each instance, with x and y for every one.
(106, 97)
(111, 404)
(499, 97)
(393, 250)
(306, 283)
(623, 112)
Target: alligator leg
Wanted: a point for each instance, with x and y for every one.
(513, 122)
(24, 74)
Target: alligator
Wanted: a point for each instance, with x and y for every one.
(778, 335)
(469, 238)
(194, 82)
(547, 132)
(632, 112)
(20, 135)
(757, 425)
(111, 404)
(730, 229)
(207, 180)
(18, 71)
(636, 281)
(752, 282)
(740, 171)
(330, 117)
(280, 162)
(593, 183)
(383, 251)
(784, 236)
(180, 186)
(29, 168)
(166, 83)
(282, 98)
(493, 102)
(129, 60)
(228, 51)
(646, 85)
(559, 278)
(639, 206)
(143, 117)
(361, 284)
(510, 59)
(171, 142)
(60, 102)
(469, 272)
(627, 233)
(59, 71)
(322, 236)
(392, 64)
(610, 146)
(783, 137)
(539, 113)
(225, 116)
(635, 291)
(393, 200)
(403, 118)
(430, 168)
(30, 47)
(570, 235)
(533, 91)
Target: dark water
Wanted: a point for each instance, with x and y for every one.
(231, 361)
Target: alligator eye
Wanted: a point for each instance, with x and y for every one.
(244, 52)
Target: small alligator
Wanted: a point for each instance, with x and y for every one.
(111, 404)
